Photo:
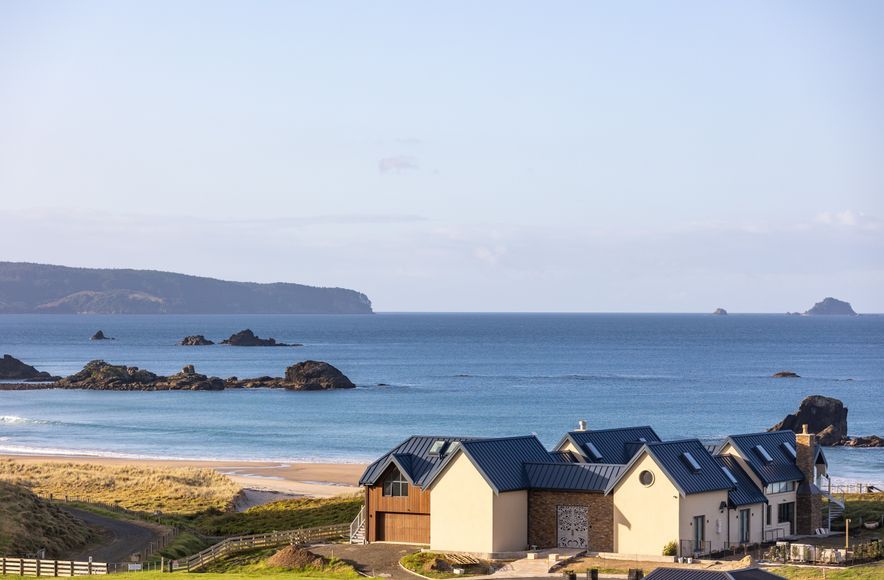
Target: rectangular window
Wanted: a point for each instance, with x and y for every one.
(780, 487)
(769, 513)
(744, 526)
(395, 484)
(786, 515)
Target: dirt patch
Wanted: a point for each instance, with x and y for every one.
(293, 557)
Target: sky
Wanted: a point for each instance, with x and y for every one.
(456, 156)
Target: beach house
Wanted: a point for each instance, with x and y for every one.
(609, 491)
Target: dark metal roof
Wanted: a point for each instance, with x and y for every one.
(670, 456)
(413, 456)
(781, 468)
(615, 445)
(746, 492)
(571, 476)
(502, 460)
(694, 574)
(563, 456)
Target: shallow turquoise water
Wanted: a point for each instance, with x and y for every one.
(480, 374)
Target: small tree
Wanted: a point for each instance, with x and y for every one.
(670, 549)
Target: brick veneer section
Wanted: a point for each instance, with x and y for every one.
(543, 528)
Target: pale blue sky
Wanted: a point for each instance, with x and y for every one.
(564, 156)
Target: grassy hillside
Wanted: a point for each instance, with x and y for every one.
(29, 524)
(182, 491)
(282, 515)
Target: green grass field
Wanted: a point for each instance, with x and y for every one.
(280, 515)
(869, 572)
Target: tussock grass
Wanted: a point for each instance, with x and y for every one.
(869, 572)
(29, 524)
(282, 515)
(256, 562)
(172, 490)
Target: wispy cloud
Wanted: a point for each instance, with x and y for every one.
(848, 219)
(398, 164)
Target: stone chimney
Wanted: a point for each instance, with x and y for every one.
(809, 504)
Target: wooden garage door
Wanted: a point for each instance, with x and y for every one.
(406, 528)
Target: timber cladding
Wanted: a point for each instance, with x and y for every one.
(398, 519)
(543, 524)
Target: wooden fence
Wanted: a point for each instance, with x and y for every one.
(36, 567)
(271, 540)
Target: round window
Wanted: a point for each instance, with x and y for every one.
(646, 477)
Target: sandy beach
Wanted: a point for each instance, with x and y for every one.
(264, 481)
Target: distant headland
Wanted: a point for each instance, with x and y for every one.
(27, 288)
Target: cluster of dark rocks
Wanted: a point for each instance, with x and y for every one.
(827, 417)
(242, 338)
(102, 376)
(12, 369)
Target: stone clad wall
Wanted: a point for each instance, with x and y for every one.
(543, 527)
(809, 505)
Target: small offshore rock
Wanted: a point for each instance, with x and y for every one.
(786, 375)
(248, 338)
(100, 336)
(720, 312)
(825, 416)
(195, 340)
(314, 375)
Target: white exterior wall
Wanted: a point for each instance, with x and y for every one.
(707, 505)
(646, 518)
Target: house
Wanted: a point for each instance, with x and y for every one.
(609, 491)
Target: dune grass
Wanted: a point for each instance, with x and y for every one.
(863, 507)
(171, 490)
(281, 515)
(29, 523)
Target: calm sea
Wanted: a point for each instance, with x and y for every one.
(472, 374)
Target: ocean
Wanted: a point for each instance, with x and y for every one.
(687, 375)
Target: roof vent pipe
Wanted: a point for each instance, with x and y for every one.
(581, 425)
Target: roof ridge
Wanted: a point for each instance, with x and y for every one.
(761, 433)
(486, 439)
(670, 441)
(613, 429)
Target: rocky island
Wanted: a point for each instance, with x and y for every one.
(248, 338)
(831, 307)
(99, 375)
(827, 417)
(195, 340)
(720, 312)
(12, 369)
(100, 336)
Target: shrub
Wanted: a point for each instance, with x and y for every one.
(670, 549)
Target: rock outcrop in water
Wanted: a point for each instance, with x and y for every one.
(831, 307)
(99, 375)
(786, 375)
(100, 336)
(827, 417)
(248, 338)
(12, 369)
(314, 375)
(195, 340)
(720, 312)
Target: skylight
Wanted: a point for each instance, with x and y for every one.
(790, 450)
(729, 475)
(593, 451)
(689, 459)
(763, 454)
(438, 447)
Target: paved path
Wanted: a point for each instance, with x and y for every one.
(121, 538)
(379, 560)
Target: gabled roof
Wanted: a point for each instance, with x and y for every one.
(571, 476)
(746, 492)
(501, 461)
(563, 456)
(694, 574)
(782, 465)
(672, 459)
(616, 446)
(412, 457)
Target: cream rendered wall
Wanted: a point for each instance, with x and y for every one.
(704, 504)
(756, 519)
(645, 517)
(462, 509)
(510, 521)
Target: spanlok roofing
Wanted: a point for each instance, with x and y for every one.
(780, 467)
